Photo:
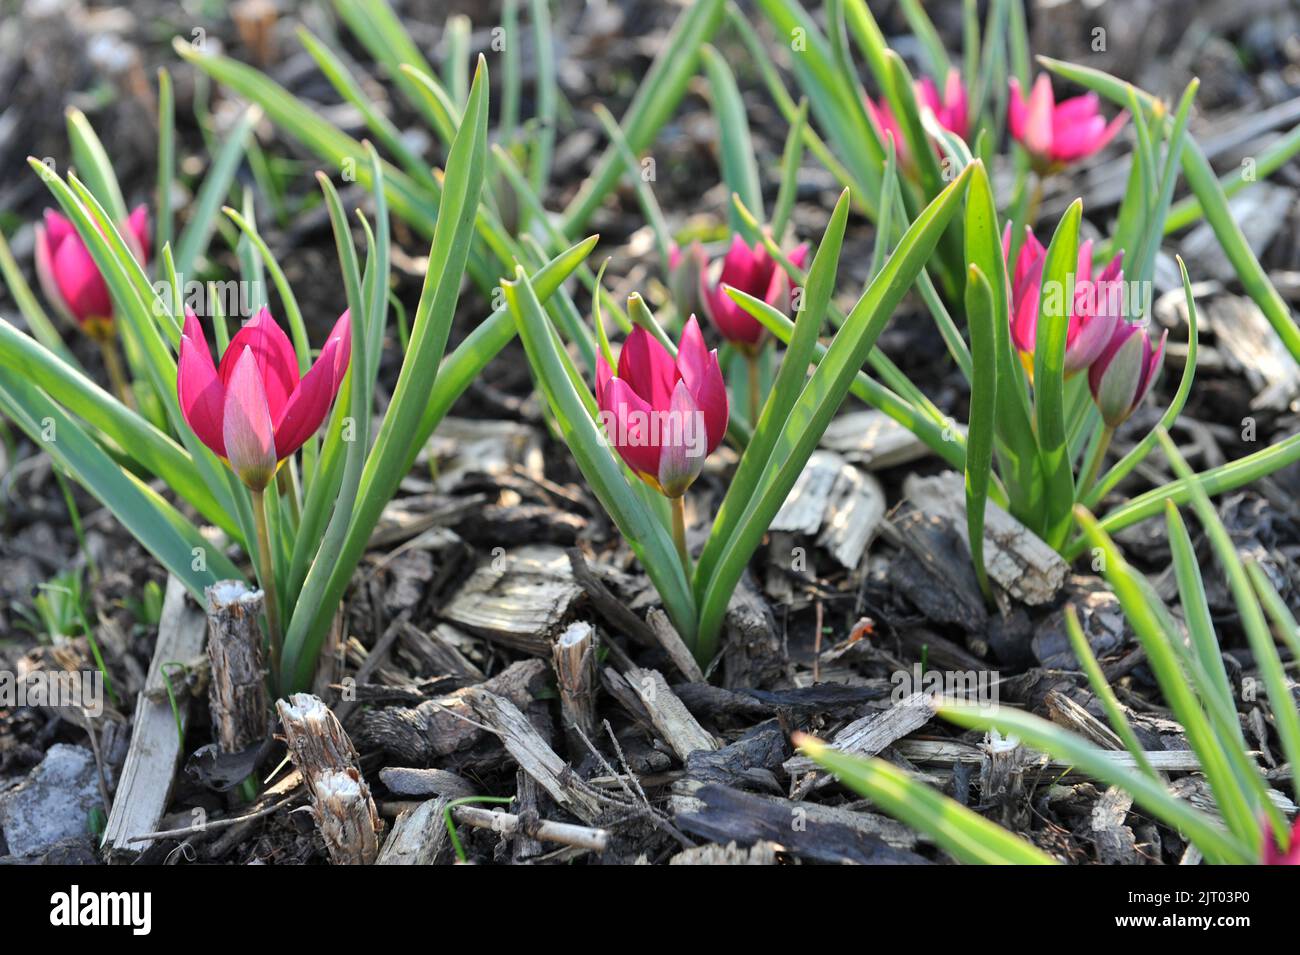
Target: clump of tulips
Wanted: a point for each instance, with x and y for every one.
(270, 444)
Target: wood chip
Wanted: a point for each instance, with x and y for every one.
(870, 734)
(533, 754)
(1018, 560)
(521, 598)
(873, 440)
(419, 837)
(673, 721)
(1253, 348)
(147, 776)
(835, 501)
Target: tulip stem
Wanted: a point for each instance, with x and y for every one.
(1035, 201)
(752, 358)
(267, 577)
(116, 374)
(679, 532)
(1094, 466)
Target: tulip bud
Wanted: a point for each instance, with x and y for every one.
(69, 276)
(686, 271)
(1125, 371)
(751, 270)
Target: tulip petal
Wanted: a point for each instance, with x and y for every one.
(137, 228)
(198, 389)
(633, 434)
(647, 368)
(246, 423)
(277, 363)
(45, 274)
(1038, 117)
(59, 228)
(79, 281)
(703, 377)
(684, 443)
(1017, 111)
(603, 375)
(310, 402)
(1114, 377)
(341, 333)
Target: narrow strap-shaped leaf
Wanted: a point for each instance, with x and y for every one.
(820, 399)
(150, 448)
(146, 515)
(1105, 695)
(1154, 797)
(93, 165)
(642, 529)
(547, 94)
(1286, 717)
(448, 255)
(389, 136)
(1017, 447)
(739, 162)
(194, 238)
(785, 390)
(981, 316)
(961, 832)
(661, 89)
(1136, 597)
(166, 160)
(1055, 305)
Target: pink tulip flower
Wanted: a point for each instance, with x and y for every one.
(1124, 372)
(1273, 854)
(1057, 135)
(751, 270)
(664, 416)
(1097, 309)
(254, 410)
(951, 110)
(68, 274)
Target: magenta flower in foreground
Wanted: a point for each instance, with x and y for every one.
(1125, 371)
(664, 416)
(951, 110)
(1057, 134)
(751, 270)
(1273, 854)
(1096, 311)
(253, 410)
(68, 274)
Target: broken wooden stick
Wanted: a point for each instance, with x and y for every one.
(344, 811)
(574, 657)
(413, 816)
(533, 754)
(419, 836)
(579, 837)
(673, 721)
(237, 692)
